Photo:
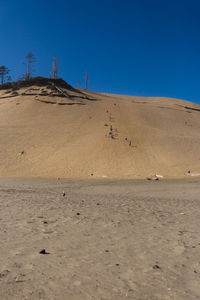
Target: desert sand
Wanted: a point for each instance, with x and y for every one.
(47, 134)
(113, 235)
(106, 239)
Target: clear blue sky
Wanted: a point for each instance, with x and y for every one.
(133, 47)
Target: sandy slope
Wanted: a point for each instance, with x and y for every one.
(42, 138)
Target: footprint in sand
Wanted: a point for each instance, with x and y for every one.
(47, 227)
(4, 274)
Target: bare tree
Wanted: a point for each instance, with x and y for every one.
(86, 79)
(3, 73)
(54, 67)
(30, 59)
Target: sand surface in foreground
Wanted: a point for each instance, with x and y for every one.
(131, 240)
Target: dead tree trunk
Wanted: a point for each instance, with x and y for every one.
(86, 80)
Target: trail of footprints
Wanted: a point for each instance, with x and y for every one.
(113, 132)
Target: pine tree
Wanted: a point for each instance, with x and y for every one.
(3, 72)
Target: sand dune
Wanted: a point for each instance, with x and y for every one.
(45, 133)
(106, 239)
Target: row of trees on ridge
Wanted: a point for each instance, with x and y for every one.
(30, 59)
